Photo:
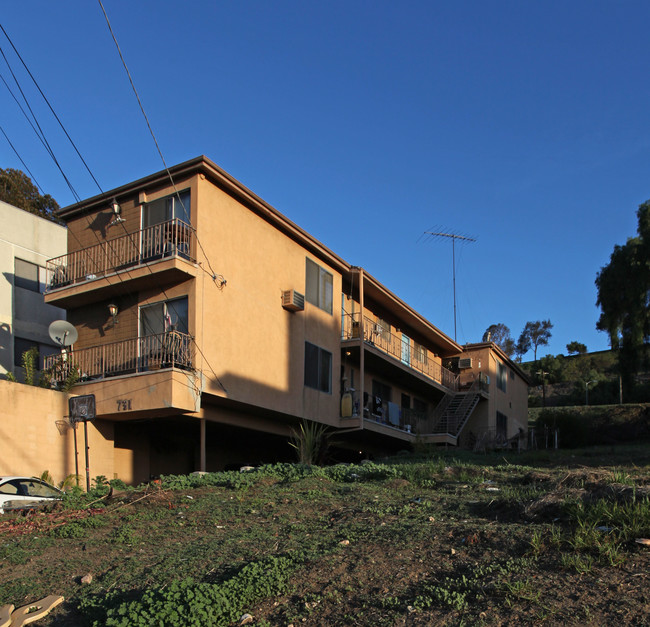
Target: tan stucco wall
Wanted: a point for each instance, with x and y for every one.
(32, 442)
(254, 349)
(513, 403)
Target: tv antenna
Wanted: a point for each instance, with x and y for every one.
(453, 237)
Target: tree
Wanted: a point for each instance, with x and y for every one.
(522, 347)
(534, 335)
(576, 348)
(500, 335)
(623, 287)
(17, 189)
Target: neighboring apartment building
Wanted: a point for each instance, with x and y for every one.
(26, 243)
(210, 325)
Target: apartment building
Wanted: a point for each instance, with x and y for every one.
(209, 325)
(26, 243)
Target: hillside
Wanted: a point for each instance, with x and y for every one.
(576, 379)
(546, 538)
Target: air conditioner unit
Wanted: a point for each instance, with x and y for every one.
(292, 300)
(464, 363)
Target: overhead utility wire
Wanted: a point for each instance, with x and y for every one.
(108, 242)
(214, 275)
(50, 106)
(49, 149)
(93, 262)
(20, 106)
(44, 139)
(21, 160)
(41, 136)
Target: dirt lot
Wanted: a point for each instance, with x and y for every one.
(438, 540)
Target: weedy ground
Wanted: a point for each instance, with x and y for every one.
(438, 539)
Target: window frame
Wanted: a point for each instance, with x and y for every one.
(502, 377)
(501, 426)
(419, 353)
(167, 321)
(176, 209)
(32, 284)
(321, 293)
(318, 368)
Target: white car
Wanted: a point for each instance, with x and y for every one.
(25, 493)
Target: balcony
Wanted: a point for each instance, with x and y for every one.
(393, 345)
(142, 354)
(165, 249)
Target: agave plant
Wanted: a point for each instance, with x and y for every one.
(310, 441)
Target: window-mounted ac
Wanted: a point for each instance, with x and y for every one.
(292, 300)
(464, 363)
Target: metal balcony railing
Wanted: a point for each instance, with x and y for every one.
(151, 352)
(173, 238)
(407, 353)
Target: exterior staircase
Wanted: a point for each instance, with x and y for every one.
(453, 412)
(457, 413)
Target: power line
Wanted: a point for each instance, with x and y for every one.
(213, 274)
(21, 160)
(42, 134)
(50, 106)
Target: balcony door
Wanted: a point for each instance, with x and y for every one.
(159, 318)
(406, 350)
(159, 234)
(163, 334)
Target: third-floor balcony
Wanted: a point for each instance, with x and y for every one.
(166, 250)
(403, 350)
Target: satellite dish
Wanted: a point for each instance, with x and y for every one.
(63, 333)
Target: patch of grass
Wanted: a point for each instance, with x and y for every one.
(190, 603)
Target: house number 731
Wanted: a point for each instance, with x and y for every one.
(123, 404)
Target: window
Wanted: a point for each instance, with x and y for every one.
(383, 329)
(318, 286)
(29, 276)
(167, 208)
(318, 368)
(406, 401)
(419, 353)
(502, 377)
(159, 318)
(22, 345)
(502, 425)
(381, 390)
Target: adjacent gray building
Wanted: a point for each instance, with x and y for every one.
(26, 242)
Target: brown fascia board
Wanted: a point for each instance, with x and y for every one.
(223, 180)
(499, 351)
(410, 316)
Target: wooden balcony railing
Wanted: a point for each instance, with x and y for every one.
(151, 352)
(167, 239)
(395, 346)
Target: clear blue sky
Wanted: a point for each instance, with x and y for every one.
(522, 124)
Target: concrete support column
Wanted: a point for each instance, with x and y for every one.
(202, 445)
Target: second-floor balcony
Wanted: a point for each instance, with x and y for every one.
(399, 347)
(142, 354)
(171, 239)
